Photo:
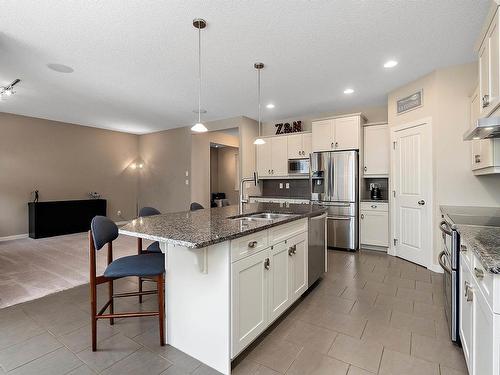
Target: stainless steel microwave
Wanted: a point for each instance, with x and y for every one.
(298, 166)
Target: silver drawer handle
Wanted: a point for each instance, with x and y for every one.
(362, 216)
(252, 244)
(463, 247)
(373, 206)
(479, 273)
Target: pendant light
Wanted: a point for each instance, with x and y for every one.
(199, 24)
(259, 66)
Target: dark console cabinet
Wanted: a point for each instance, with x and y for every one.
(47, 219)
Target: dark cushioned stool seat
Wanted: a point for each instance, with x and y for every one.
(137, 265)
(154, 247)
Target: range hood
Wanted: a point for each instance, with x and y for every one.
(488, 127)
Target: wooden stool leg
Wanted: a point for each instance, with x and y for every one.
(112, 304)
(161, 308)
(93, 312)
(140, 289)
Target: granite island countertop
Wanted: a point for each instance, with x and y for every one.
(482, 240)
(209, 226)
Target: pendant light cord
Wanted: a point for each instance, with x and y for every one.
(199, 74)
(258, 95)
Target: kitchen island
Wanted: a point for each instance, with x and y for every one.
(228, 275)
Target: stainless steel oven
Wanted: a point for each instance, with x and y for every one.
(449, 261)
(298, 166)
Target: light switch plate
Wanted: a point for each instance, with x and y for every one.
(287, 185)
(281, 185)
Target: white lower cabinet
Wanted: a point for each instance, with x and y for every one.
(479, 324)
(374, 224)
(264, 285)
(279, 276)
(250, 299)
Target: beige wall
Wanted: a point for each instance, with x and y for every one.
(200, 163)
(446, 94)
(226, 173)
(63, 161)
(167, 158)
(373, 114)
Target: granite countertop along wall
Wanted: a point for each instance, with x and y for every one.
(485, 244)
(210, 226)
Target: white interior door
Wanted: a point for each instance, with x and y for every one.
(412, 184)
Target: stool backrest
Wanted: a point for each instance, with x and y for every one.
(196, 206)
(103, 231)
(148, 211)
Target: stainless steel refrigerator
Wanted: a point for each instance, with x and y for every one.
(334, 185)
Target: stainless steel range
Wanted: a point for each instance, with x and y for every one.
(449, 258)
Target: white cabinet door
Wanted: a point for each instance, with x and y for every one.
(484, 77)
(297, 247)
(346, 133)
(376, 150)
(466, 313)
(306, 144)
(279, 156)
(250, 299)
(279, 280)
(374, 228)
(482, 346)
(295, 146)
(494, 77)
(322, 135)
(264, 155)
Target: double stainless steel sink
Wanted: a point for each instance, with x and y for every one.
(261, 216)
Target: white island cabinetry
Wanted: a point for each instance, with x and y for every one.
(267, 281)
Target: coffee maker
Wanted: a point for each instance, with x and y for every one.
(375, 192)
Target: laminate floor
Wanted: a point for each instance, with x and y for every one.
(371, 314)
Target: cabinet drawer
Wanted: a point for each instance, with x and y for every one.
(249, 245)
(374, 206)
(484, 280)
(285, 231)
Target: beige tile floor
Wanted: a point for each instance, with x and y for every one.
(371, 314)
(31, 269)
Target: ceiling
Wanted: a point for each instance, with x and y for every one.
(135, 62)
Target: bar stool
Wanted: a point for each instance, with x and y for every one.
(152, 248)
(195, 206)
(104, 231)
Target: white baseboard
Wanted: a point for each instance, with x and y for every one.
(14, 237)
(435, 268)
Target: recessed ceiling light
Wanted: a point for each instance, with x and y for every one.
(60, 68)
(348, 91)
(270, 106)
(390, 64)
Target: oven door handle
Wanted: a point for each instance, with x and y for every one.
(340, 217)
(442, 263)
(444, 230)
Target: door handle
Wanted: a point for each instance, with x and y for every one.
(362, 216)
(478, 272)
(486, 100)
(365, 168)
(442, 263)
(252, 244)
(336, 144)
(332, 144)
(421, 202)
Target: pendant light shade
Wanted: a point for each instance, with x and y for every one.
(199, 24)
(259, 66)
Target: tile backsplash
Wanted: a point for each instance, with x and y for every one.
(298, 188)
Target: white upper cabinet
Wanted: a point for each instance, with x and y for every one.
(485, 156)
(272, 157)
(376, 151)
(336, 134)
(489, 69)
(299, 145)
(346, 133)
(322, 135)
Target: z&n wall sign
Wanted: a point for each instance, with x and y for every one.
(286, 127)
